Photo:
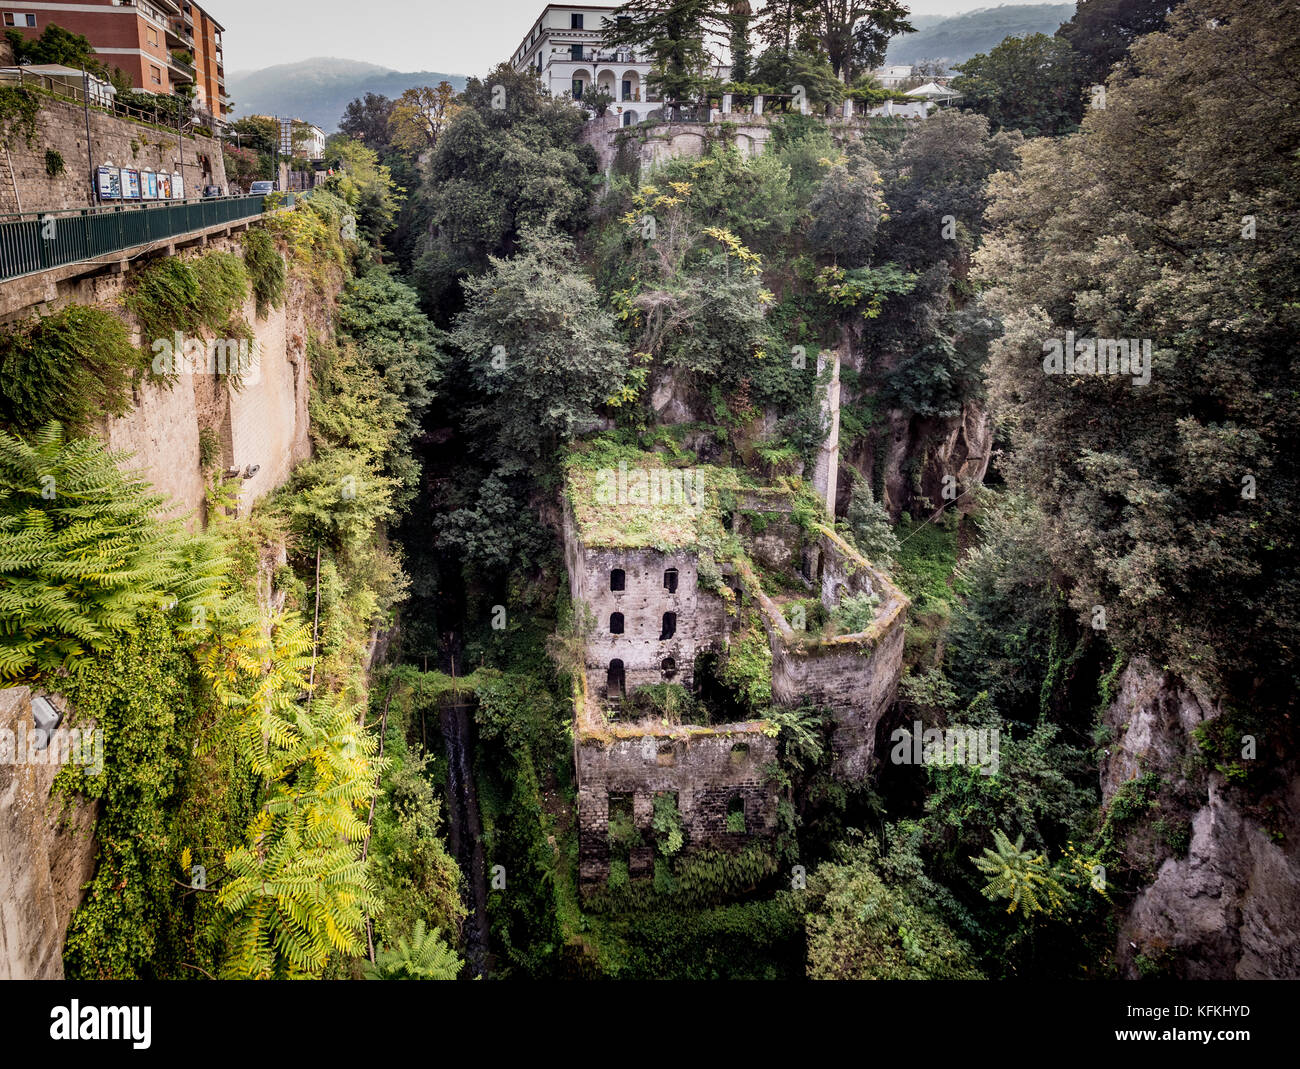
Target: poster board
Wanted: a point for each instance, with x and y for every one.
(164, 186)
(130, 183)
(108, 182)
(148, 185)
(178, 187)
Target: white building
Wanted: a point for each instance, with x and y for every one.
(893, 77)
(565, 49)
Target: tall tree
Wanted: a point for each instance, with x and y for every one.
(420, 115)
(542, 351)
(1025, 83)
(365, 119)
(1101, 31)
(677, 35)
(1169, 486)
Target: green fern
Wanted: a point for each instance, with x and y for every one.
(82, 552)
(425, 957)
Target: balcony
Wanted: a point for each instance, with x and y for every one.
(178, 36)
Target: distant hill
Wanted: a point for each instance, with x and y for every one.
(319, 89)
(956, 39)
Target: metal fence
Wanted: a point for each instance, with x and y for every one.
(38, 241)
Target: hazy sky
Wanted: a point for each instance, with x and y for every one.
(451, 36)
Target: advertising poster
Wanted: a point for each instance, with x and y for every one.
(109, 183)
(164, 186)
(149, 185)
(178, 187)
(130, 184)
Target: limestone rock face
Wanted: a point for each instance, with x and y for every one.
(1230, 908)
(44, 860)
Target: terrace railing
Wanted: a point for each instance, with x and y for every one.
(38, 241)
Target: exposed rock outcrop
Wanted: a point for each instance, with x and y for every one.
(1230, 907)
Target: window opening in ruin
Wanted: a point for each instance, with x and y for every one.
(670, 580)
(616, 623)
(614, 679)
(670, 626)
(740, 753)
(617, 579)
(669, 668)
(736, 813)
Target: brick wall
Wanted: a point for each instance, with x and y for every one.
(26, 186)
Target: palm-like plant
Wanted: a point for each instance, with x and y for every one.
(1020, 876)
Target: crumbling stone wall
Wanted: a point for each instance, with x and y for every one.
(704, 767)
(701, 617)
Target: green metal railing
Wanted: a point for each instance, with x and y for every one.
(38, 241)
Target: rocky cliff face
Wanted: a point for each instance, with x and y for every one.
(46, 854)
(1223, 897)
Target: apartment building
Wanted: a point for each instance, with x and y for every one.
(565, 49)
(160, 45)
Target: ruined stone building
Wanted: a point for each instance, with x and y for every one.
(667, 566)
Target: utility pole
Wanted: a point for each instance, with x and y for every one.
(85, 107)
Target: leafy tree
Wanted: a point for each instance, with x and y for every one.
(1158, 489)
(861, 927)
(256, 132)
(936, 188)
(1025, 83)
(1101, 31)
(366, 119)
(674, 35)
(782, 71)
(845, 212)
(869, 524)
(367, 187)
(420, 115)
(542, 351)
(494, 172)
(55, 45)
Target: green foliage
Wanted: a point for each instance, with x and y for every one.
(869, 525)
(73, 366)
(667, 824)
(19, 114)
(1140, 468)
(82, 553)
(862, 928)
(54, 165)
(266, 270)
(191, 296)
(855, 612)
(1025, 83)
(1021, 877)
(425, 956)
(494, 173)
(543, 352)
(747, 669)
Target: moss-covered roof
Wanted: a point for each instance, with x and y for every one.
(625, 498)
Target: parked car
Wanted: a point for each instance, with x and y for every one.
(211, 191)
(261, 188)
